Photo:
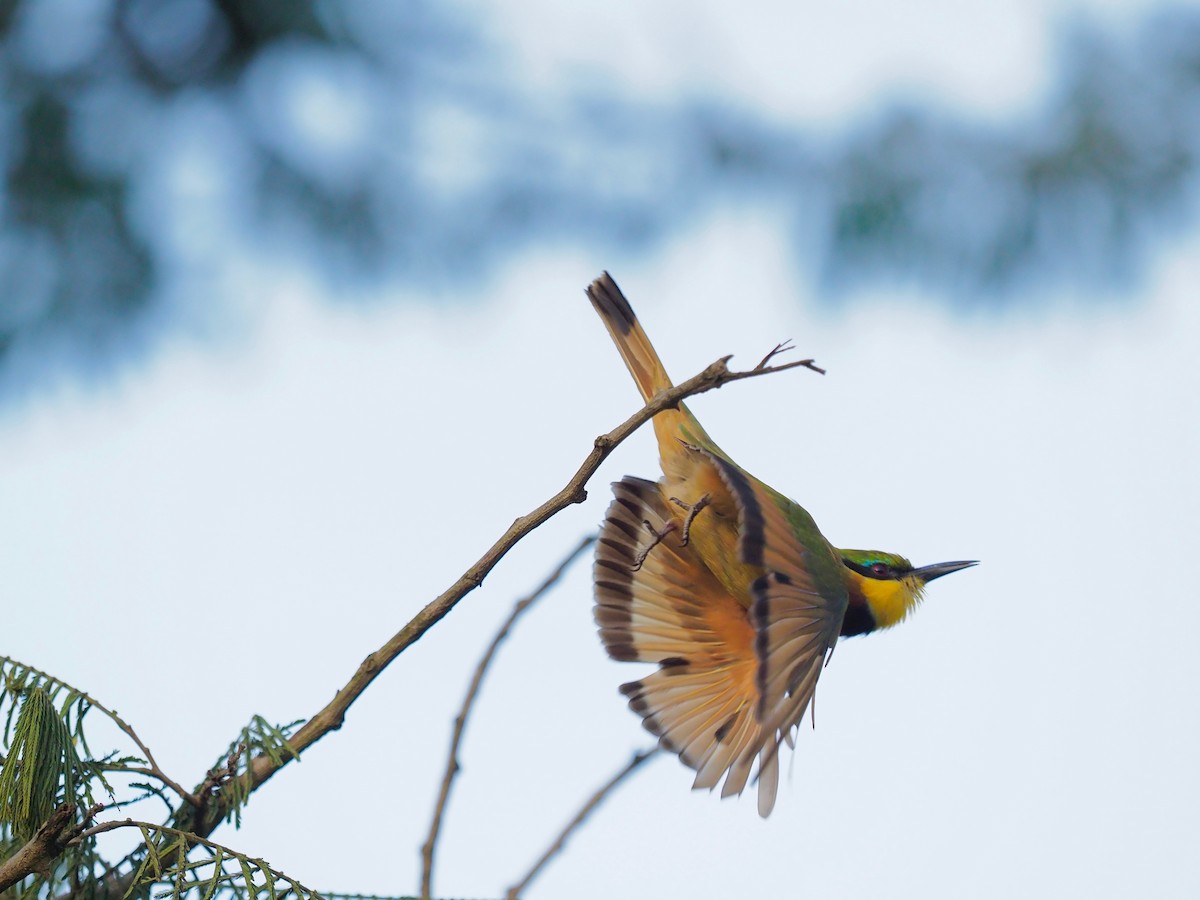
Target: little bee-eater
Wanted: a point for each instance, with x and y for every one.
(729, 587)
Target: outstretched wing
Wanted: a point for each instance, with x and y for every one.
(732, 683)
(672, 611)
(797, 608)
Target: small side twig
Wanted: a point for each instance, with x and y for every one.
(584, 811)
(155, 770)
(785, 347)
(215, 777)
(460, 721)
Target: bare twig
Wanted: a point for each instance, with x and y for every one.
(460, 721)
(785, 347)
(584, 811)
(155, 770)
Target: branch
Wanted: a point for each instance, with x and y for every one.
(331, 717)
(40, 852)
(201, 823)
(586, 810)
(460, 721)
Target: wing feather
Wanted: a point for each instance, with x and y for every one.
(797, 611)
(733, 683)
(673, 611)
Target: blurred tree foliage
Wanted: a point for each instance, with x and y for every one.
(147, 142)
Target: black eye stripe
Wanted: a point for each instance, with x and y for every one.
(888, 573)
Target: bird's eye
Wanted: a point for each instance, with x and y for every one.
(879, 570)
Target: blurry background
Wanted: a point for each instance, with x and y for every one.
(292, 326)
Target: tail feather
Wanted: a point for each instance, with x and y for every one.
(672, 611)
(671, 426)
(635, 348)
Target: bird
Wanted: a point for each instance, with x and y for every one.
(729, 588)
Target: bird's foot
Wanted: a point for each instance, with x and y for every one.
(657, 539)
(692, 511)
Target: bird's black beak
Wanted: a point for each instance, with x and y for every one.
(937, 570)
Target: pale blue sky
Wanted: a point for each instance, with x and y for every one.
(295, 494)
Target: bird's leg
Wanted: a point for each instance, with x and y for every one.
(658, 539)
(692, 512)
